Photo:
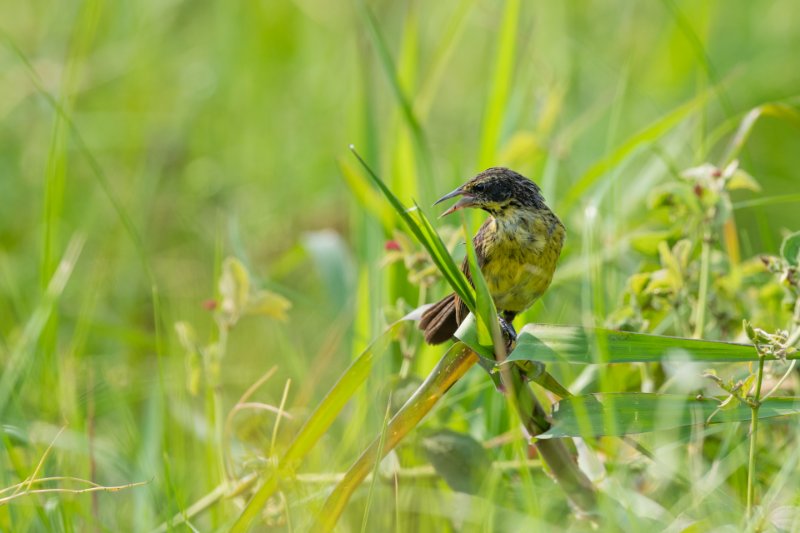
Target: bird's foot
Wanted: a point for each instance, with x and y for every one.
(509, 332)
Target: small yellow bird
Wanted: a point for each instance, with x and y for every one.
(517, 249)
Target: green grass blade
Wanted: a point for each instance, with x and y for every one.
(768, 200)
(22, 354)
(445, 261)
(644, 412)
(774, 109)
(366, 196)
(643, 138)
(389, 67)
(488, 328)
(575, 344)
(446, 45)
(316, 426)
(501, 85)
(423, 230)
(452, 367)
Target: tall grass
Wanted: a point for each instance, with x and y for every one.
(168, 136)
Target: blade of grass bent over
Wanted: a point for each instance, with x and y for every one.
(648, 135)
(427, 236)
(316, 425)
(453, 365)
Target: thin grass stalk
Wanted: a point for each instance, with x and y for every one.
(375, 468)
(316, 425)
(453, 365)
(751, 462)
(702, 296)
(563, 467)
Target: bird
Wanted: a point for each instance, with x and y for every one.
(517, 248)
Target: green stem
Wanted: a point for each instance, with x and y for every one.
(751, 464)
(702, 296)
(554, 453)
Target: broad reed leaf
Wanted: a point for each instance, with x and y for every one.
(614, 414)
(575, 344)
(534, 370)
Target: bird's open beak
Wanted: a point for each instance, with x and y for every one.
(467, 200)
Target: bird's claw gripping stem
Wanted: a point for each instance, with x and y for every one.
(508, 332)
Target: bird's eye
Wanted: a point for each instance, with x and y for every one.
(479, 187)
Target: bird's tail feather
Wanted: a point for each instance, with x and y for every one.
(439, 322)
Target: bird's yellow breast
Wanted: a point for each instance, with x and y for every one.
(520, 251)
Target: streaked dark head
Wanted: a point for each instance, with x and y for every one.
(495, 190)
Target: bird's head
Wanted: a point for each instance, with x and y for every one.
(496, 190)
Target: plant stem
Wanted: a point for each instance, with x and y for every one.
(563, 467)
(751, 463)
(554, 453)
(702, 293)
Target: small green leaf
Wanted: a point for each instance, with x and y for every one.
(741, 180)
(790, 249)
(573, 344)
(268, 304)
(458, 458)
(629, 413)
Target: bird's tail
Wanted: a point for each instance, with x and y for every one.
(439, 322)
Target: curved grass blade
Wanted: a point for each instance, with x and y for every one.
(453, 365)
(773, 109)
(488, 327)
(575, 344)
(643, 138)
(316, 425)
(587, 415)
(423, 230)
(22, 352)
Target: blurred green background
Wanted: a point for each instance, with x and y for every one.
(192, 131)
